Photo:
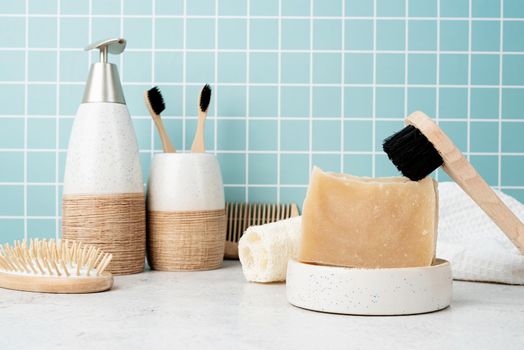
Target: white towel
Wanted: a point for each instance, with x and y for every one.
(475, 246)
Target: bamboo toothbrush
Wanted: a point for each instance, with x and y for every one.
(155, 104)
(421, 147)
(54, 267)
(203, 105)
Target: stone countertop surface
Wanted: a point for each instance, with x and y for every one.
(220, 310)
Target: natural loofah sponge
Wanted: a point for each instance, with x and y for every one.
(265, 250)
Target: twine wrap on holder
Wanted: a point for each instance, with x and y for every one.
(188, 240)
(115, 223)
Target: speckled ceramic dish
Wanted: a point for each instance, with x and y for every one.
(392, 291)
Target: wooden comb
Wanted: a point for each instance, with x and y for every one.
(242, 215)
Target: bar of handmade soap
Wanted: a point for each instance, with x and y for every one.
(369, 222)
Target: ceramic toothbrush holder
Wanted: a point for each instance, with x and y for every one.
(186, 219)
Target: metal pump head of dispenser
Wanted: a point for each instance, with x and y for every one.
(103, 82)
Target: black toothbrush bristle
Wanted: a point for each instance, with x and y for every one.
(412, 153)
(156, 100)
(205, 97)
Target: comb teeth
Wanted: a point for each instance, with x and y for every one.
(242, 215)
(412, 153)
(205, 97)
(156, 100)
(52, 258)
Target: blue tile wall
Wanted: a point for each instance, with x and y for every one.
(296, 83)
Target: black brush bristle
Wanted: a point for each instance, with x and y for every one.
(205, 97)
(412, 153)
(156, 100)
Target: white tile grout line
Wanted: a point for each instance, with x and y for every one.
(215, 86)
(242, 151)
(406, 57)
(310, 107)
(267, 118)
(468, 104)
(147, 151)
(32, 217)
(43, 184)
(184, 66)
(385, 51)
(121, 58)
(115, 16)
(153, 77)
(89, 33)
(57, 122)
(279, 96)
(437, 89)
(342, 88)
(248, 92)
(284, 186)
(501, 67)
(335, 85)
(26, 104)
(374, 93)
(208, 50)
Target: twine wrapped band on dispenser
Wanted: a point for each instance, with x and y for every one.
(191, 240)
(114, 223)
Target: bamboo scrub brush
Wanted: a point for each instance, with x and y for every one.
(421, 147)
(54, 267)
(203, 105)
(155, 104)
(242, 215)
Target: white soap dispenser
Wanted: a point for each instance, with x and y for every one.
(103, 198)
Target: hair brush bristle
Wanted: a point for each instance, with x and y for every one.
(412, 153)
(53, 258)
(205, 97)
(156, 100)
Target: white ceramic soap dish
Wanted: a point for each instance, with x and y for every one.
(352, 291)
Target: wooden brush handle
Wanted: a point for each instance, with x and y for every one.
(465, 175)
(166, 144)
(198, 142)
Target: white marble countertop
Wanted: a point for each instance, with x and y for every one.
(219, 310)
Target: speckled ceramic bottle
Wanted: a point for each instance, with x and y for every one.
(103, 198)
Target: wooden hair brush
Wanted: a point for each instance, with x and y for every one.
(422, 146)
(242, 215)
(54, 267)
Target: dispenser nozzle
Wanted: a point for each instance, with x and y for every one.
(113, 46)
(103, 83)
